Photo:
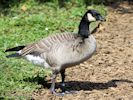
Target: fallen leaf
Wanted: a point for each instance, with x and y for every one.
(23, 8)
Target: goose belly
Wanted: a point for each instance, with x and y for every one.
(37, 60)
(75, 59)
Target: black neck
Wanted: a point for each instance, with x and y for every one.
(84, 31)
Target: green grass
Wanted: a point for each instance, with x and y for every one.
(19, 78)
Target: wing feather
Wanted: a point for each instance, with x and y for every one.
(45, 44)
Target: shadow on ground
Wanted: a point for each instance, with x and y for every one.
(79, 85)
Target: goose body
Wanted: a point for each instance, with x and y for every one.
(61, 51)
(64, 53)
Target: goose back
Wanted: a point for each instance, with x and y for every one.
(47, 43)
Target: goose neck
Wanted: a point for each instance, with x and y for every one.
(84, 29)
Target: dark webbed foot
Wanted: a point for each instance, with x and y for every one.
(56, 93)
(63, 89)
(62, 93)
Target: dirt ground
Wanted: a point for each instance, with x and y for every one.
(108, 75)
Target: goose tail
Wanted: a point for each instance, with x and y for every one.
(15, 48)
(13, 55)
(17, 54)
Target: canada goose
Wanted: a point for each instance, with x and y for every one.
(60, 51)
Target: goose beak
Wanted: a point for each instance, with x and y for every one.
(101, 18)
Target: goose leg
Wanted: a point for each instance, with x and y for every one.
(63, 80)
(63, 83)
(53, 85)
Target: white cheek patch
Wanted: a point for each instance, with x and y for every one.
(90, 17)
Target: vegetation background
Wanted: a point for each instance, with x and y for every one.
(25, 21)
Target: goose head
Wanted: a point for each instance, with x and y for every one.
(89, 16)
(93, 15)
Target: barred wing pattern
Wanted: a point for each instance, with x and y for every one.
(45, 44)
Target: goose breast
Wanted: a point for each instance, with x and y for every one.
(72, 52)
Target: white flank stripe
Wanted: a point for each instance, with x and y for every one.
(37, 61)
(19, 52)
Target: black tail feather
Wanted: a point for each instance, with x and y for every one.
(13, 55)
(15, 48)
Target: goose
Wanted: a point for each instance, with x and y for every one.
(61, 51)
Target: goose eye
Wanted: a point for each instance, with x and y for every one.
(96, 15)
